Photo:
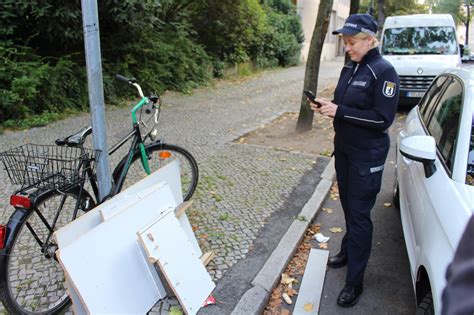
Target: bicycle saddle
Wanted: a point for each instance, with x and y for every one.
(76, 139)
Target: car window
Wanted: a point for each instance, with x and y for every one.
(470, 158)
(444, 124)
(429, 100)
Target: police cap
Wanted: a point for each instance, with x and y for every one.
(358, 23)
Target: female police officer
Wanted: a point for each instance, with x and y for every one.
(364, 106)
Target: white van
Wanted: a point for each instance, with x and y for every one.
(419, 46)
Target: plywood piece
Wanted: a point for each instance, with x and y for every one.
(312, 284)
(124, 200)
(107, 267)
(77, 306)
(181, 209)
(167, 244)
(207, 257)
(169, 173)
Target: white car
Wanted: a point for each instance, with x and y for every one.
(434, 184)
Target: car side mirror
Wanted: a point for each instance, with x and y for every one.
(420, 149)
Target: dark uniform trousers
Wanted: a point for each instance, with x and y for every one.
(359, 183)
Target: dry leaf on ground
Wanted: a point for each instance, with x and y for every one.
(308, 307)
(387, 204)
(323, 245)
(336, 230)
(328, 210)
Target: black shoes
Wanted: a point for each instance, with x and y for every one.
(349, 295)
(338, 261)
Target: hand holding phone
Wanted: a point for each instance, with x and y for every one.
(312, 98)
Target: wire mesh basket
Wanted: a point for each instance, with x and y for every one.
(48, 166)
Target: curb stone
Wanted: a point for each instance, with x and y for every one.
(255, 299)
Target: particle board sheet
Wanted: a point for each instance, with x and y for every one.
(108, 268)
(75, 229)
(309, 296)
(166, 244)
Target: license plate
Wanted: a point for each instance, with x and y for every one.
(415, 94)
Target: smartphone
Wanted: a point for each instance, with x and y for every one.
(311, 97)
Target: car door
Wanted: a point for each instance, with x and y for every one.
(412, 193)
(443, 221)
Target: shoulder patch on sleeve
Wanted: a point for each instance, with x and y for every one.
(389, 88)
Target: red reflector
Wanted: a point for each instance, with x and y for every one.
(3, 233)
(20, 201)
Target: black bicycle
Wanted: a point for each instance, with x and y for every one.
(54, 190)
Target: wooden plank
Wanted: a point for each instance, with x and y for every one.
(167, 244)
(107, 266)
(312, 284)
(181, 209)
(207, 257)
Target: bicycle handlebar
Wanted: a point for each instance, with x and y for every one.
(125, 79)
(131, 81)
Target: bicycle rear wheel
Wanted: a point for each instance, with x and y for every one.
(31, 280)
(160, 154)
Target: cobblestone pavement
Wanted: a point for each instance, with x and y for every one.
(240, 186)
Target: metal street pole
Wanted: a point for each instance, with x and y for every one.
(90, 22)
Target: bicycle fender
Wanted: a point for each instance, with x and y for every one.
(14, 223)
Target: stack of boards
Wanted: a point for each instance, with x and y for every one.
(129, 252)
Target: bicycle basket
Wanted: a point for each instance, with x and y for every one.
(47, 166)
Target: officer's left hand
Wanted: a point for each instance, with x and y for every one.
(327, 108)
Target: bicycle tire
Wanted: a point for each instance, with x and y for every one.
(188, 166)
(32, 282)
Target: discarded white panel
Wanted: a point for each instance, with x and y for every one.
(93, 218)
(106, 265)
(166, 244)
(312, 285)
(77, 305)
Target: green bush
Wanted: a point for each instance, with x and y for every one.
(31, 85)
(166, 45)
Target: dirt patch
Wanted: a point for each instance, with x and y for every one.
(281, 133)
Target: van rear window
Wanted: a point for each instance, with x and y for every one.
(437, 40)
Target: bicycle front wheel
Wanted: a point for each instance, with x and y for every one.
(160, 154)
(31, 279)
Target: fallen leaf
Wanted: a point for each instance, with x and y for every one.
(336, 230)
(387, 204)
(287, 298)
(291, 292)
(284, 311)
(308, 307)
(283, 159)
(328, 210)
(323, 245)
(285, 279)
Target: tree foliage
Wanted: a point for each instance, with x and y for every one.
(166, 44)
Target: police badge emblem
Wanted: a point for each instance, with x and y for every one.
(389, 88)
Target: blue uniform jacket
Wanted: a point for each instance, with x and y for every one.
(367, 98)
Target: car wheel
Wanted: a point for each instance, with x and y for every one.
(426, 305)
(396, 193)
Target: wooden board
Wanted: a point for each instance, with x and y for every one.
(168, 173)
(167, 244)
(312, 283)
(107, 266)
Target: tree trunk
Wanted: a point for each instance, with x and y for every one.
(380, 16)
(305, 118)
(355, 4)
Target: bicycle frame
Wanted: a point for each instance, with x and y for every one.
(137, 143)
